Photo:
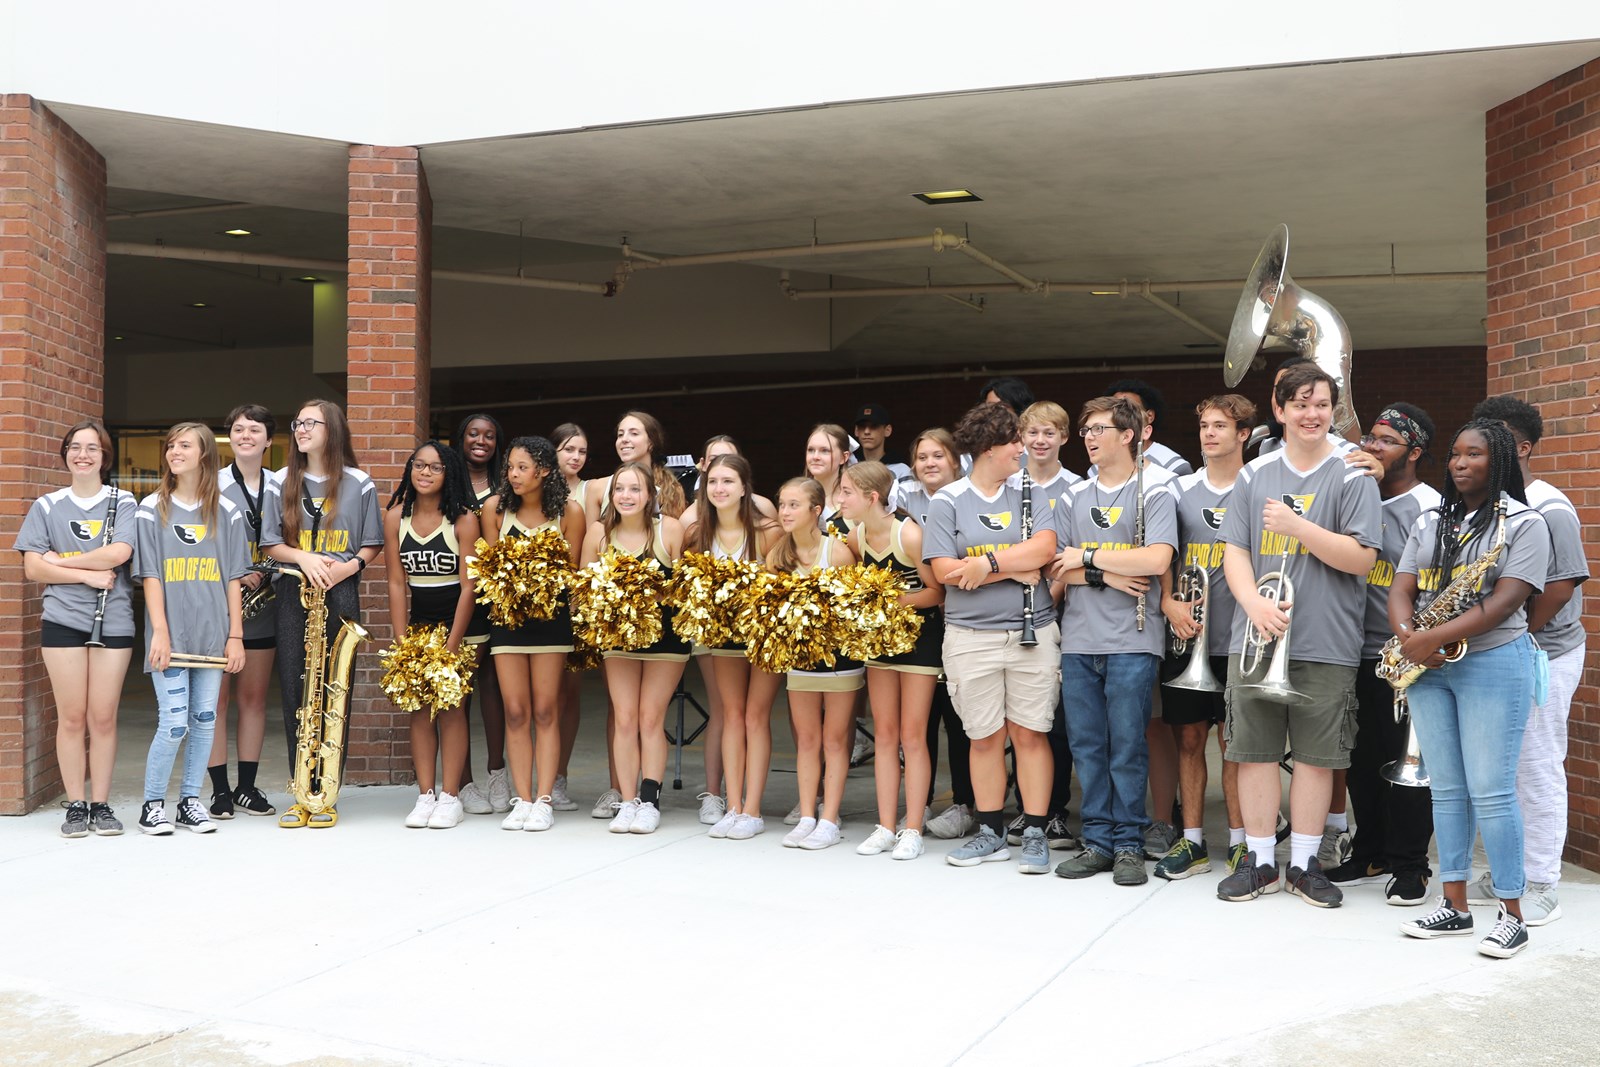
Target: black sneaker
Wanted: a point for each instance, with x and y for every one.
(103, 821)
(1357, 872)
(1085, 864)
(1407, 889)
(1509, 937)
(1313, 887)
(1440, 922)
(1251, 880)
(153, 818)
(192, 816)
(253, 801)
(222, 804)
(77, 821)
(1128, 868)
(1060, 838)
(1014, 829)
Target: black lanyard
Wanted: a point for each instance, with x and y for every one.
(252, 505)
(314, 510)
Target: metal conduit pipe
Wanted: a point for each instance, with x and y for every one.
(1027, 284)
(1181, 315)
(938, 241)
(869, 379)
(169, 212)
(1119, 288)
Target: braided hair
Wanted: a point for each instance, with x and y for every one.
(553, 491)
(1505, 476)
(455, 498)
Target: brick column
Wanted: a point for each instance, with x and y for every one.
(52, 373)
(1543, 186)
(391, 215)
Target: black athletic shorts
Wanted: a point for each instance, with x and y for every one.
(54, 635)
(1184, 707)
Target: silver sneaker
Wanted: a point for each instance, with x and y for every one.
(1540, 905)
(985, 846)
(950, 824)
(1035, 851)
(1334, 849)
(559, 801)
(607, 805)
(474, 801)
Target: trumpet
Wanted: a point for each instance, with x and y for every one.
(1194, 588)
(1276, 587)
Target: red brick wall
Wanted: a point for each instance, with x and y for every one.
(390, 218)
(1543, 186)
(52, 342)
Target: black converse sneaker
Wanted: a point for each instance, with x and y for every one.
(1509, 936)
(153, 818)
(1440, 922)
(192, 816)
(77, 821)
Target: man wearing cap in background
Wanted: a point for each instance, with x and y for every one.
(873, 430)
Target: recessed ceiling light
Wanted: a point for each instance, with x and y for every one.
(1202, 344)
(1105, 292)
(238, 232)
(118, 337)
(308, 278)
(199, 304)
(948, 196)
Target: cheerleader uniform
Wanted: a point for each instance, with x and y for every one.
(536, 635)
(732, 648)
(846, 675)
(478, 628)
(670, 648)
(927, 655)
(433, 572)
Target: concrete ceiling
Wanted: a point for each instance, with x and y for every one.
(1373, 164)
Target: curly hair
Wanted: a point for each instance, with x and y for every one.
(986, 425)
(553, 487)
(455, 497)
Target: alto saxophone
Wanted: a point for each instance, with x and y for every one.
(1458, 596)
(324, 701)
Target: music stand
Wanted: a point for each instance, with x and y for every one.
(682, 696)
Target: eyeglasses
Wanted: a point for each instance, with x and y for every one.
(83, 450)
(1094, 430)
(305, 424)
(431, 468)
(1386, 442)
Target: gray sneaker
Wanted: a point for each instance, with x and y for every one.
(951, 823)
(1035, 851)
(1480, 892)
(1540, 905)
(1159, 837)
(103, 821)
(1085, 864)
(1128, 868)
(1334, 849)
(77, 821)
(985, 846)
(1014, 829)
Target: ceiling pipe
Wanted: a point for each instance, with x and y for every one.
(1024, 283)
(1180, 314)
(938, 241)
(169, 212)
(1118, 288)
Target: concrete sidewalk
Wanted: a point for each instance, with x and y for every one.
(374, 944)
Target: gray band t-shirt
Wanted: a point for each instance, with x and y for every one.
(1159, 455)
(962, 523)
(354, 524)
(1103, 622)
(265, 624)
(1400, 514)
(194, 563)
(1329, 605)
(70, 526)
(1565, 632)
(1201, 509)
(1526, 557)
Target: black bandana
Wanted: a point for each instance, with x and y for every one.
(1404, 425)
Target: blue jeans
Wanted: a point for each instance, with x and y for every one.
(1469, 717)
(186, 705)
(1107, 701)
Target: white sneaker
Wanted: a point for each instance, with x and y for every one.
(474, 801)
(541, 815)
(723, 825)
(606, 806)
(447, 812)
(1480, 892)
(559, 800)
(1541, 904)
(880, 839)
(418, 819)
(793, 818)
(801, 831)
(646, 819)
(518, 819)
(622, 821)
(500, 789)
(747, 827)
(826, 834)
(953, 822)
(712, 808)
(907, 845)
(927, 817)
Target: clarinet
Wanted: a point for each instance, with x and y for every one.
(95, 640)
(1138, 513)
(1028, 638)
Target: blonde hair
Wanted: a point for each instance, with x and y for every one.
(1046, 411)
(870, 476)
(785, 556)
(208, 473)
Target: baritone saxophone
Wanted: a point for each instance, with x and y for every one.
(324, 701)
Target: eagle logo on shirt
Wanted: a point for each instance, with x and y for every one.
(996, 521)
(1213, 516)
(86, 529)
(1299, 503)
(190, 533)
(318, 502)
(1105, 518)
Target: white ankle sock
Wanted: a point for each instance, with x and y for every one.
(1193, 833)
(1339, 821)
(1302, 847)
(1235, 836)
(1265, 849)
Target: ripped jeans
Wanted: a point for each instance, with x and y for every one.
(186, 704)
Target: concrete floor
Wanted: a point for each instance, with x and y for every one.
(374, 945)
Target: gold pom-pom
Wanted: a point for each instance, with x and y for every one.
(583, 658)
(784, 622)
(521, 578)
(420, 671)
(616, 602)
(707, 592)
(872, 621)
